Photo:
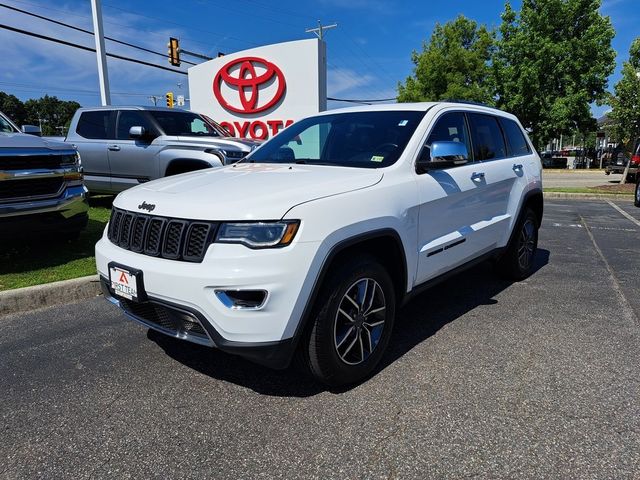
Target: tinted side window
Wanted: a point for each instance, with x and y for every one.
(94, 124)
(449, 128)
(488, 143)
(131, 118)
(515, 138)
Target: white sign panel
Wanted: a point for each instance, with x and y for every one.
(256, 93)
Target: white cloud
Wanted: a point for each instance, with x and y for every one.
(342, 80)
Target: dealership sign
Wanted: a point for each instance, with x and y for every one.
(258, 92)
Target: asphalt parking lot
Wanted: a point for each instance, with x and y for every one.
(484, 379)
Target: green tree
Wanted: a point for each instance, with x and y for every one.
(625, 103)
(52, 113)
(12, 107)
(453, 64)
(551, 62)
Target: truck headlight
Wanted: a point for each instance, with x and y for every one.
(259, 234)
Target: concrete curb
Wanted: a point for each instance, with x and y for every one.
(48, 294)
(589, 196)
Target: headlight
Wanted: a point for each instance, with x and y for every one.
(72, 159)
(258, 234)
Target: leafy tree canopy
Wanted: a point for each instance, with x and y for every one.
(551, 62)
(50, 111)
(453, 64)
(625, 113)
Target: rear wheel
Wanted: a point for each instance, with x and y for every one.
(517, 261)
(352, 323)
(637, 194)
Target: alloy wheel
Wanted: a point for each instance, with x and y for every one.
(359, 321)
(526, 244)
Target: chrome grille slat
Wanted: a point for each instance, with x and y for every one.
(170, 238)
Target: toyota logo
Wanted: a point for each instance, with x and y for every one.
(241, 75)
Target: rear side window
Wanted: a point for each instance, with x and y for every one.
(515, 138)
(488, 143)
(94, 124)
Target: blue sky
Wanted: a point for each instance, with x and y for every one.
(368, 53)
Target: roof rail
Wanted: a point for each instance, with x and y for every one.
(468, 102)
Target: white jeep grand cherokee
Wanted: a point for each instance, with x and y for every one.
(311, 243)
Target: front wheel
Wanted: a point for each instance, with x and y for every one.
(636, 198)
(352, 323)
(517, 261)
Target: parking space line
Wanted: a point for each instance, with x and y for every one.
(634, 220)
(626, 308)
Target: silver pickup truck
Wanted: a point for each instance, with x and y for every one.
(41, 186)
(124, 146)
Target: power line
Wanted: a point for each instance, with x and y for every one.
(164, 20)
(73, 27)
(88, 49)
(137, 29)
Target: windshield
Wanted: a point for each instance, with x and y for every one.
(184, 124)
(5, 126)
(359, 139)
(220, 129)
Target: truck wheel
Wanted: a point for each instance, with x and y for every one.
(636, 198)
(517, 261)
(352, 323)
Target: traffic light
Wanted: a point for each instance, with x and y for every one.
(174, 51)
(169, 97)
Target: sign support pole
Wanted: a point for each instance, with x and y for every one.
(98, 33)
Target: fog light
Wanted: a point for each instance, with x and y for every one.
(242, 299)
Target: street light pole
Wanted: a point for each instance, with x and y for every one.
(98, 33)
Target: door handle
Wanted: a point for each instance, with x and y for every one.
(477, 176)
(114, 148)
(517, 166)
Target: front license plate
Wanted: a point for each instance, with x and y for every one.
(124, 283)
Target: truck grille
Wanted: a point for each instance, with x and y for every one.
(170, 238)
(31, 162)
(33, 187)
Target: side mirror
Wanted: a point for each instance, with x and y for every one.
(32, 130)
(442, 155)
(137, 132)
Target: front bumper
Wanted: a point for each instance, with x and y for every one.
(283, 273)
(184, 323)
(619, 169)
(65, 213)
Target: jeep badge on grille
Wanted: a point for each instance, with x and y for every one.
(149, 207)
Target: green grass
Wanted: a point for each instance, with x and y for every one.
(44, 261)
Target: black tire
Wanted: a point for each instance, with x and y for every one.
(338, 321)
(636, 197)
(517, 261)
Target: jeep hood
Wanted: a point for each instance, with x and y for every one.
(244, 191)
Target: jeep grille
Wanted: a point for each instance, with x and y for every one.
(170, 238)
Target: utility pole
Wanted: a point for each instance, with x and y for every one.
(319, 30)
(98, 33)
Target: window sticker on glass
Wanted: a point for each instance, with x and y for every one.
(403, 123)
(377, 158)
